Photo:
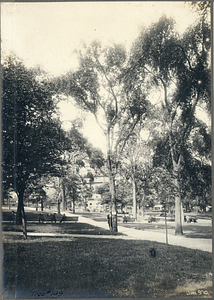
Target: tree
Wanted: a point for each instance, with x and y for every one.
(74, 159)
(36, 192)
(104, 191)
(180, 68)
(86, 192)
(96, 87)
(203, 7)
(135, 160)
(196, 172)
(31, 146)
(124, 194)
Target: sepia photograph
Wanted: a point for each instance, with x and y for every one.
(106, 149)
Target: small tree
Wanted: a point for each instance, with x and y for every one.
(135, 160)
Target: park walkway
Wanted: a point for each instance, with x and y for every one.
(193, 243)
(131, 234)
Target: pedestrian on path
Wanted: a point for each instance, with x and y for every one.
(109, 218)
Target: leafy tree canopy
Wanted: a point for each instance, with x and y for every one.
(31, 143)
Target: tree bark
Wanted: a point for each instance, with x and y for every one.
(42, 206)
(113, 204)
(112, 185)
(85, 203)
(178, 204)
(58, 205)
(73, 201)
(20, 215)
(8, 199)
(134, 199)
(141, 207)
(63, 197)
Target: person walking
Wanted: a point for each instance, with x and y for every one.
(109, 218)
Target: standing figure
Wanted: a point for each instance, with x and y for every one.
(109, 218)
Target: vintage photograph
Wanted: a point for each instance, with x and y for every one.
(106, 149)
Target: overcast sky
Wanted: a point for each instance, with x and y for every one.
(46, 34)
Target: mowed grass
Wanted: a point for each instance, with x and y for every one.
(57, 228)
(190, 230)
(90, 267)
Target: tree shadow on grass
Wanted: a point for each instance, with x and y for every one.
(112, 267)
(57, 228)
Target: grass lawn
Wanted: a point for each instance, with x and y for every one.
(190, 230)
(63, 228)
(81, 267)
(96, 216)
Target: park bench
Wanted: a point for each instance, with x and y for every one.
(9, 217)
(41, 217)
(57, 218)
(71, 219)
(190, 219)
(127, 219)
(47, 218)
(151, 219)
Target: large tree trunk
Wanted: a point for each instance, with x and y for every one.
(178, 204)
(113, 204)
(85, 203)
(64, 206)
(112, 186)
(8, 200)
(134, 199)
(58, 205)
(20, 215)
(73, 201)
(42, 205)
(142, 208)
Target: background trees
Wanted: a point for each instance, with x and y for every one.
(134, 163)
(179, 67)
(78, 156)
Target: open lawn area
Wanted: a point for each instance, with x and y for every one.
(57, 228)
(96, 216)
(190, 230)
(83, 267)
(202, 229)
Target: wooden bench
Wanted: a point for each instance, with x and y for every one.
(190, 219)
(151, 219)
(56, 218)
(9, 217)
(47, 218)
(41, 217)
(71, 219)
(127, 219)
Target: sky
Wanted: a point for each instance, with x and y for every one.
(46, 34)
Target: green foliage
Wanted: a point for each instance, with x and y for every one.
(31, 145)
(180, 66)
(162, 154)
(97, 160)
(104, 191)
(203, 7)
(196, 167)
